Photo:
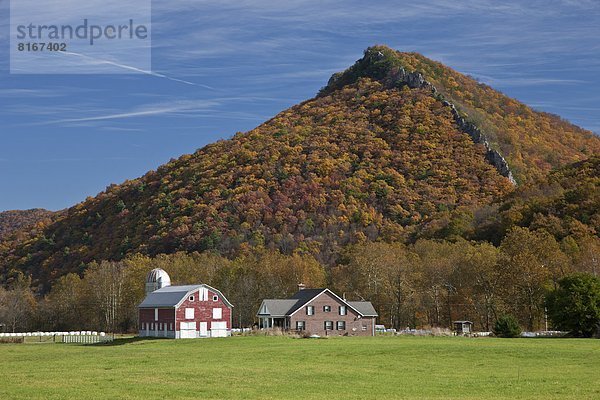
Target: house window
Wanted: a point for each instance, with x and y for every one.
(191, 298)
(364, 327)
(217, 313)
(300, 325)
(215, 298)
(156, 314)
(310, 310)
(343, 310)
(189, 313)
(328, 325)
(341, 325)
(326, 308)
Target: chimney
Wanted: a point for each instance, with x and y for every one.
(301, 286)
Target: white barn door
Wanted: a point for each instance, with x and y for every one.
(218, 329)
(203, 329)
(187, 330)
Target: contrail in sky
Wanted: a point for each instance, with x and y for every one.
(158, 75)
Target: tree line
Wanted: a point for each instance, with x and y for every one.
(428, 283)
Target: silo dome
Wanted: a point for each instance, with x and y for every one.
(156, 279)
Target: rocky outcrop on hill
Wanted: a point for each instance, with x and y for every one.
(415, 80)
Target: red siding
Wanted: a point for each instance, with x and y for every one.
(165, 315)
(203, 310)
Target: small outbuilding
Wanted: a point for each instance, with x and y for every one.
(182, 312)
(463, 327)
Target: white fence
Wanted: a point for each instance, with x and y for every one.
(86, 337)
(544, 334)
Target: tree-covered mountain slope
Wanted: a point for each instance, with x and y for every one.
(565, 203)
(374, 156)
(532, 142)
(15, 220)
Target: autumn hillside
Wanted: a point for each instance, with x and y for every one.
(371, 157)
(13, 221)
(533, 142)
(565, 203)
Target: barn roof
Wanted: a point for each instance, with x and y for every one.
(171, 296)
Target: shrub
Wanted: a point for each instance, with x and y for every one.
(507, 326)
(575, 305)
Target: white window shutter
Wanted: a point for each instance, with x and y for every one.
(203, 294)
(189, 313)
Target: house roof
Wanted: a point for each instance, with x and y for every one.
(304, 296)
(276, 307)
(171, 296)
(286, 307)
(364, 307)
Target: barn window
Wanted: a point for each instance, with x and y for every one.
(310, 310)
(300, 325)
(326, 308)
(343, 310)
(215, 298)
(191, 298)
(328, 325)
(341, 325)
(364, 327)
(217, 313)
(189, 313)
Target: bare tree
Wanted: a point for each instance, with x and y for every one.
(105, 282)
(17, 305)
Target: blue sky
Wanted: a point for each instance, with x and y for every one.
(223, 67)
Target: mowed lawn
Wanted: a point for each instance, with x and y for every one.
(286, 368)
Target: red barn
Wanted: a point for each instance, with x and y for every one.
(183, 312)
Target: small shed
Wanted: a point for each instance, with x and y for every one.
(463, 327)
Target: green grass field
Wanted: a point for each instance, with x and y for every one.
(286, 368)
